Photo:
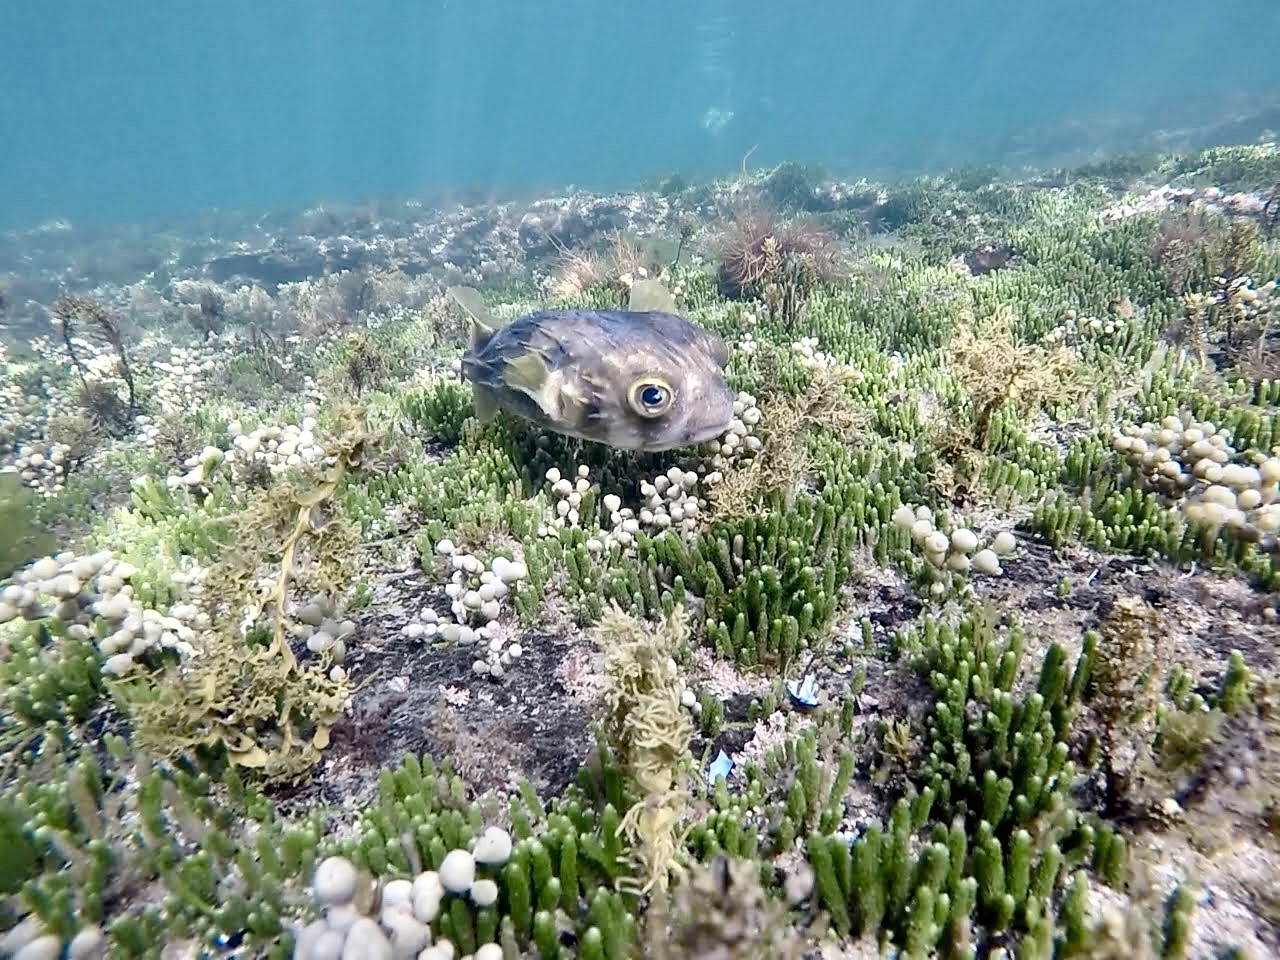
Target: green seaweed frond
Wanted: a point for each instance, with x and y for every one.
(21, 538)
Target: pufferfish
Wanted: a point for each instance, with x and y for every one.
(641, 379)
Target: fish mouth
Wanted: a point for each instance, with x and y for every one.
(696, 436)
(706, 430)
(707, 433)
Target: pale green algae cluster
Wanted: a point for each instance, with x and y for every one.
(923, 460)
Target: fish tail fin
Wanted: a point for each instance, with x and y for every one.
(482, 323)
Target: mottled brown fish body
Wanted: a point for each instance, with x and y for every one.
(636, 380)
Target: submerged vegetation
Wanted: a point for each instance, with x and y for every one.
(960, 642)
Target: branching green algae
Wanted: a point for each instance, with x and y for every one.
(998, 752)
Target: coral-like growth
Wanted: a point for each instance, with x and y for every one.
(775, 262)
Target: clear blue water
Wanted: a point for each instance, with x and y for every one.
(134, 110)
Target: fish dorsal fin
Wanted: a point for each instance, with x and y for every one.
(482, 322)
(649, 294)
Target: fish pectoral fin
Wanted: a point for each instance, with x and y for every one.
(717, 349)
(650, 294)
(561, 402)
(482, 322)
(485, 403)
(526, 373)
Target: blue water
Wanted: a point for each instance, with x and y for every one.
(128, 111)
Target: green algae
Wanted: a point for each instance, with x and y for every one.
(987, 808)
(23, 539)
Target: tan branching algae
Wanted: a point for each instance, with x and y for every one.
(608, 273)
(649, 731)
(723, 912)
(993, 370)
(75, 316)
(780, 264)
(787, 460)
(246, 699)
(1129, 665)
(245, 691)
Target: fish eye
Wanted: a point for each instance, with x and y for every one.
(650, 397)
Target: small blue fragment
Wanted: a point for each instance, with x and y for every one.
(802, 693)
(225, 941)
(719, 768)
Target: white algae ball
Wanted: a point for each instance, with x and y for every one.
(493, 846)
(366, 941)
(484, 893)
(428, 891)
(458, 871)
(335, 881)
(47, 947)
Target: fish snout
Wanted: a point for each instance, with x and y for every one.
(711, 413)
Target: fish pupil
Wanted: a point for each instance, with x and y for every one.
(651, 396)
